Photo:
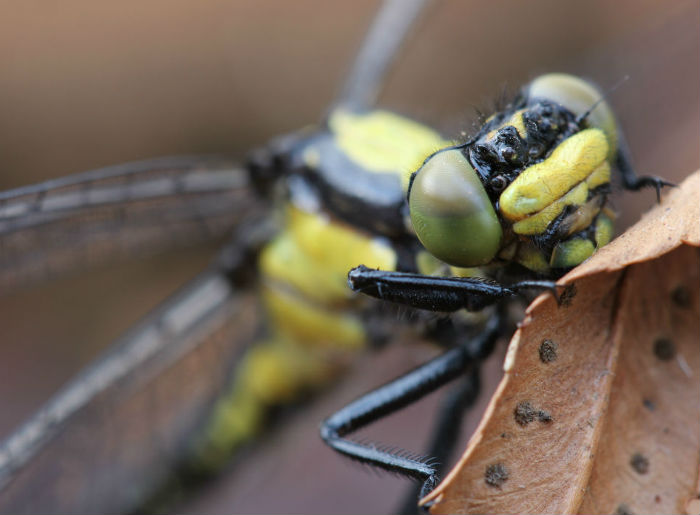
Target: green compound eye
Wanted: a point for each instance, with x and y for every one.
(451, 212)
(578, 96)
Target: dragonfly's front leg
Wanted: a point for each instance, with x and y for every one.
(432, 293)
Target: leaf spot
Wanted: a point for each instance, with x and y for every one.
(623, 509)
(496, 475)
(524, 413)
(548, 351)
(681, 297)
(664, 349)
(544, 416)
(640, 463)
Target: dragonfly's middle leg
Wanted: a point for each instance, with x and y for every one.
(398, 394)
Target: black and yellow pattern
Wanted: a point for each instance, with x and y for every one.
(544, 164)
(529, 189)
(314, 325)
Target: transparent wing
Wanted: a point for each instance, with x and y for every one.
(111, 436)
(118, 212)
(380, 47)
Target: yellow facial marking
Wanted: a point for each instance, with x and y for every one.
(571, 253)
(543, 183)
(604, 230)
(537, 223)
(599, 176)
(516, 121)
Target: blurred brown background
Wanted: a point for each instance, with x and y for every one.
(86, 84)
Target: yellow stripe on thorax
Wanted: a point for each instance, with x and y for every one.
(305, 269)
(312, 327)
(381, 141)
(313, 256)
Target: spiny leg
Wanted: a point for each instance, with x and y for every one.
(447, 430)
(398, 394)
(630, 180)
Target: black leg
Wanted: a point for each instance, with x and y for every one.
(447, 430)
(237, 259)
(437, 293)
(398, 394)
(630, 180)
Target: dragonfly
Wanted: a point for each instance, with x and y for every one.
(58, 259)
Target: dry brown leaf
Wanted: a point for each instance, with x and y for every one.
(598, 411)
